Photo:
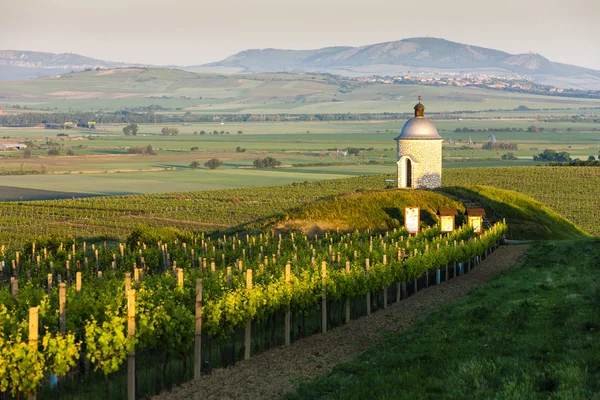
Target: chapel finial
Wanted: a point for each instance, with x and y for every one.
(419, 108)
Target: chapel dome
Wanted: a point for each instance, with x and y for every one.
(419, 127)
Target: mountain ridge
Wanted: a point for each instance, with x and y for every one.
(420, 55)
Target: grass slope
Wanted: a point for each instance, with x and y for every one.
(384, 209)
(530, 334)
(372, 210)
(570, 191)
(526, 217)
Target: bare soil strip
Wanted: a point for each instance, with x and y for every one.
(276, 371)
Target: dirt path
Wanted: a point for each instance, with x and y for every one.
(274, 372)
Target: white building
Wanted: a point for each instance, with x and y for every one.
(419, 163)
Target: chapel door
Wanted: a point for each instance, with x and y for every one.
(408, 170)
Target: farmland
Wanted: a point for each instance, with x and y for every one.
(102, 166)
(256, 94)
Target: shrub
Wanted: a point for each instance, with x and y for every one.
(70, 152)
(145, 150)
(169, 131)
(195, 148)
(213, 163)
(509, 156)
(268, 162)
(53, 152)
(194, 164)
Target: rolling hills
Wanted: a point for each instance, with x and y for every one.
(419, 54)
(263, 93)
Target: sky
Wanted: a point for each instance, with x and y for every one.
(193, 32)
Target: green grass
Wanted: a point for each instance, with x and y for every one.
(571, 192)
(532, 333)
(526, 218)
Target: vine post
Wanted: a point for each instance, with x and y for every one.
(348, 299)
(385, 289)
(62, 308)
(288, 273)
(368, 267)
(324, 299)
(198, 332)
(248, 334)
(78, 283)
(131, 355)
(33, 336)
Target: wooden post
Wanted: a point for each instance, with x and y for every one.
(33, 337)
(180, 278)
(62, 308)
(385, 289)
(198, 334)
(368, 267)
(131, 355)
(78, 283)
(288, 277)
(49, 284)
(14, 284)
(324, 298)
(229, 276)
(248, 335)
(127, 282)
(348, 299)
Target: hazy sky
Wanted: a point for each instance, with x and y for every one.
(188, 32)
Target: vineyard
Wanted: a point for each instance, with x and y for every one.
(570, 191)
(116, 217)
(178, 309)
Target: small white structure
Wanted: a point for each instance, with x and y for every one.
(419, 163)
(12, 146)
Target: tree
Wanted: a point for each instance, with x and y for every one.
(353, 151)
(509, 156)
(27, 153)
(553, 156)
(169, 131)
(194, 164)
(70, 152)
(240, 150)
(53, 152)
(213, 163)
(195, 148)
(131, 129)
(533, 128)
(268, 162)
(239, 132)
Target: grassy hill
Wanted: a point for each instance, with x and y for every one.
(299, 93)
(383, 210)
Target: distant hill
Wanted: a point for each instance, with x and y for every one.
(431, 55)
(15, 64)
(397, 57)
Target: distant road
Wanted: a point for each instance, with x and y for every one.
(11, 193)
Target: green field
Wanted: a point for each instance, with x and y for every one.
(101, 164)
(257, 94)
